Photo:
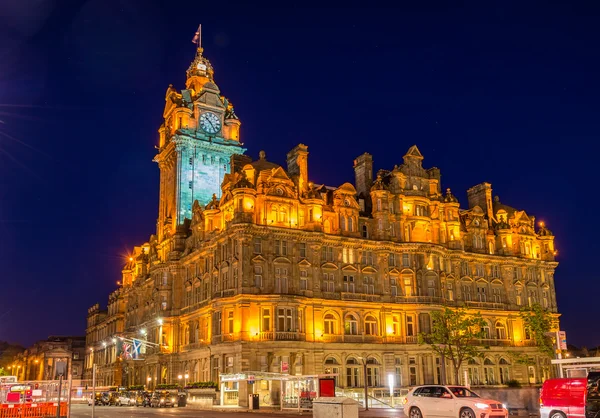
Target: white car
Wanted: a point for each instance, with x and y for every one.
(450, 401)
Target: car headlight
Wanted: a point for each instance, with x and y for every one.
(172, 399)
(504, 406)
(481, 405)
(162, 401)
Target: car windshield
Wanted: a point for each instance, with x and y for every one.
(461, 392)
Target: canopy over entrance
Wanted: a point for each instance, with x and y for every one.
(276, 389)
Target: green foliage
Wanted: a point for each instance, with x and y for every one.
(521, 358)
(201, 385)
(540, 323)
(8, 353)
(165, 386)
(455, 335)
(513, 384)
(136, 387)
(3, 372)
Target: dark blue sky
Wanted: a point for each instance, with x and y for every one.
(505, 94)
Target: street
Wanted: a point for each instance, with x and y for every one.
(80, 411)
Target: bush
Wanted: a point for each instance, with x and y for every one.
(164, 386)
(513, 384)
(136, 387)
(201, 385)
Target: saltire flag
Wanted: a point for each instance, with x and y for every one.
(196, 38)
(136, 349)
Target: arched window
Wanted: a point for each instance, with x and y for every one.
(352, 373)
(489, 376)
(332, 366)
(503, 369)
(350, 224)
(370, 325)
(500, 331)
(373, 372)
(342, 223)
(486, 331)
(365, 231)
(351, 325)
(329, 324)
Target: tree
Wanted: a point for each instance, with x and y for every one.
(3, 372)
(541, 325)
(455, 336)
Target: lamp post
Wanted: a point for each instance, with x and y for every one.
(186, 378)
(149, 380)
(364, 360)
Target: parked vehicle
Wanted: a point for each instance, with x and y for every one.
(95, 399)
(110, 398)
(143, 399)
(450, 401)
(163, 399)
(571, 397)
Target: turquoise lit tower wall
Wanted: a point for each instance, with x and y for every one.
(199, 135)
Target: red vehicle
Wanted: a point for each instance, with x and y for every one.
(571, 397)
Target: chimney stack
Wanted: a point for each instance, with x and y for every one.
(363, 172)
(481, 195)
(297, 163)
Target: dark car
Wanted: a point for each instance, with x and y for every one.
(163, 399)
(143, 399)
(110, 398)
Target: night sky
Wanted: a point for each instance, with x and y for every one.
(497, 93)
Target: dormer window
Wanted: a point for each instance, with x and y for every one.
(346, 202)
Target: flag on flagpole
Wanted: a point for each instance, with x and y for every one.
(196, 38)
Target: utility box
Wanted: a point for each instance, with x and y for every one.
(253, 401)
(338, 407)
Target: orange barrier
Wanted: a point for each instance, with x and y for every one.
(32, 410)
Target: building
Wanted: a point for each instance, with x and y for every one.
(42, 361)
(254, 268)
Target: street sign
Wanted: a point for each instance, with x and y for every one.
(562, 340)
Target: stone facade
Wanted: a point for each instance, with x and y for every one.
(275, 272)
(39, 362)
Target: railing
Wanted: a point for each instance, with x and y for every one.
(287, 336)
(418, 299)
(360, 296)
(485, 305)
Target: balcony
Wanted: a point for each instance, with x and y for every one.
(280, 336)
(363, 297)
(420, 299)
(192, 346)
(485, 305)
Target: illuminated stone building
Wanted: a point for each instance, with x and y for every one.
(266, 270)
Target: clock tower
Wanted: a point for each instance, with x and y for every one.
(199, 135)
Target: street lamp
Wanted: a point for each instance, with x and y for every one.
(186, 378)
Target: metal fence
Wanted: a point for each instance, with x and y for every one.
(34, 399)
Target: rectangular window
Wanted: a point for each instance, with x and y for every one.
(393, 287)
(266, 320)
(369, 286)
(285, 320)
(280, 247)
(348, 255)
(327, 254)
(257, 246)
(302, 249)
(281, 280)
(328, 282)
(349, 284)
(367, 258)
(303, 280)
(217, 323)
(230, 322)
(410, 326)
(480, 270)
(258, 276)
(405, 260)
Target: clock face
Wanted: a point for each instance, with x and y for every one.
(210, 123)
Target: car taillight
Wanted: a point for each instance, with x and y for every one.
(541, 403)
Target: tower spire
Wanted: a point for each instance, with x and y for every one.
(200, 67)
